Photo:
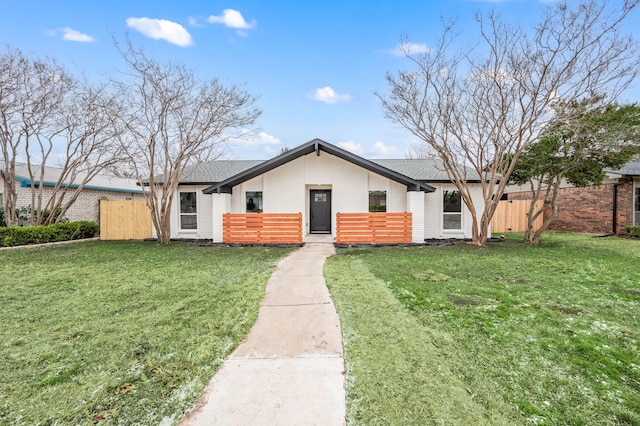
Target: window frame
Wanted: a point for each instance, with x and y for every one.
(186, 213)
(451, 213)
(259, 206)
(379, 208)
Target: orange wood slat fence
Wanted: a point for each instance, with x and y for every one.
(373, 228)
(511, 216)
(125, 220)
(262, 228)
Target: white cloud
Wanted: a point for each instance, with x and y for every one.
(69, 34)
(352, 146)
(407, 48)
(382, 150)
(252, 138)
(329, 96)
(233, 19)
(161, 29)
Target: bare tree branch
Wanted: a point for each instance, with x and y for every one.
(168, 120)
(48, 116)
(482, 108)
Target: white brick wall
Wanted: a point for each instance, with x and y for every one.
(283, 188)
(204, 210)
(416, 205)
(433, 213)
(286, 190)
(220, 204)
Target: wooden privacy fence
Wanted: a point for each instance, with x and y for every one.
(262, 228)
(373, 228)
(511, 216)
(125, 220)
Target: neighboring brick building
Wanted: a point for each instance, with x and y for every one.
(87, 206)
(597, 209)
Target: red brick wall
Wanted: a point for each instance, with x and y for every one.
(590, 209)
(625, 204)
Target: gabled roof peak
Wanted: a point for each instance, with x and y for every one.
(316, 145)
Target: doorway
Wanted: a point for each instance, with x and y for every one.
(320, 211)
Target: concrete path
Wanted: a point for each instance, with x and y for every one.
(289, 370)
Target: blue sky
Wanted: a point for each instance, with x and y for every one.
(314, 65)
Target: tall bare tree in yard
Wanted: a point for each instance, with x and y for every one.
(49, 118)
(170, 120)
(85, 149)
(484, 106)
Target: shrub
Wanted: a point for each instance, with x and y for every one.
(18, 236)
(631, 232)
(24, 216)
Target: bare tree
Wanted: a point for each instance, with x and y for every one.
(48, 117)
(170, 120)
(10, 64)
(483, 106)
(86, 149)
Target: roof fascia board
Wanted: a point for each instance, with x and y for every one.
(26, 183)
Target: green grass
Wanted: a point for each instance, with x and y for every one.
(120, 332)
(508, 334)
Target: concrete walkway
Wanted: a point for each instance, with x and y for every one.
(289, 370)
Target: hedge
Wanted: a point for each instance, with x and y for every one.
(20, 236)
(631, 232)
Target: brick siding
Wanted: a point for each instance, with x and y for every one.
(87, 205)
(590, 209)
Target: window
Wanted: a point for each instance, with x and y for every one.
(320, 197)
(637, 208)
(188, 211)
(451, 209)
(377, 201)
(254, 202)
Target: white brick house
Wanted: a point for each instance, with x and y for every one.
(87, 205)
(320, 180)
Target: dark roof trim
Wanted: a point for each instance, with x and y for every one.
(26, 183)
(316, 145)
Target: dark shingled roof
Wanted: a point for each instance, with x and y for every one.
(216, 171)
(428, 169)
(632, 168)
(219, 171)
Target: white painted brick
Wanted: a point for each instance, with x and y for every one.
(416, 205)
(286, 190)
(433, 213)
(220, 204)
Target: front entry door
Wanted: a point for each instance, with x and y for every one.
(320, 214)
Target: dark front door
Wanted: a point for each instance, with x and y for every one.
(320, 214)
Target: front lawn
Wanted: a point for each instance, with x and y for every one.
(508, 334)
(121, 332)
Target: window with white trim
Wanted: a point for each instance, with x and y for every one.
(451, 210)
(377, 201)
(188, 211)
